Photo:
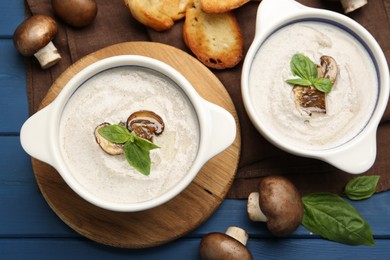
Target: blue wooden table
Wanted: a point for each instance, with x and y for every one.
(29, 229)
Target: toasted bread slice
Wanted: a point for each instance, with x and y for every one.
(176, 9)
(158, 14)
(218, 6)
(215, 39)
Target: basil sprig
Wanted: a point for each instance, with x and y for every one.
(302, 67)
(136, 149)
(362, 187)
(331, 217)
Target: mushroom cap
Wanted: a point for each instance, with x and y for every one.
(77, 13)
(221, 246)
(34, 33)
(281, 203)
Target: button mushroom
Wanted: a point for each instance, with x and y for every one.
(34, 37)
(145, 124)
(229, 245)
(77, 13)
(278, 203)
(107, 146)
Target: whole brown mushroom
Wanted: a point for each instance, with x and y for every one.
(228, 245)
(77, 13)
(278, 203)
(34, 37)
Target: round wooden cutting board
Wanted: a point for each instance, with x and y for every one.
(173, 219)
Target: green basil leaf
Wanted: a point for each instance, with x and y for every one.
(323, 84)
(115, 133)
(331, 217)
(137, 158)
(144, 143)
(299, 81)
(303, 67)
(361, 187)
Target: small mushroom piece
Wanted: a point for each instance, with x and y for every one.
(229, 245)
(34, 37)
(77, 13)
(145, 124)
(309, 99)
(328, 68)
(278, 203)
(107, 146)
(352, 5)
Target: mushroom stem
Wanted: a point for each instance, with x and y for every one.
(351, 5)
(253, 208)
(48, 55)
(238, 233)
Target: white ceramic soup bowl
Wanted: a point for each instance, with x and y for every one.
(356, 154)
(40, 133)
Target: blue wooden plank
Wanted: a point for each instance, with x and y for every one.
(13, 95)
(375, 210)
(24, 212)
(27, 214)
(31, 248)
(11, 15)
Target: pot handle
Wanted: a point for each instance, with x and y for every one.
(223, 130)
(34, 135)
(356, 158)
(271, 12)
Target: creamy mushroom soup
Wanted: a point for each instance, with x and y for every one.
(111, 96)
(348, 106)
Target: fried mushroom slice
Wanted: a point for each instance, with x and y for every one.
(328, 68)
(145, 124)
(107, 146)
(309, 99)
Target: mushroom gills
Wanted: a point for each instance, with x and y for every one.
(107, 146)
(309, 99)
(145, 124)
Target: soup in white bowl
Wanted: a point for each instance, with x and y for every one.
(341, 130)
(112, 96)
(350, 103)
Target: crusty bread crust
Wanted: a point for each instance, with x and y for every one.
(158, 14)
(221, 6)
(215, 39)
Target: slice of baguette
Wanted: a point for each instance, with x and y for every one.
(215, 39)
(158, 14)
(176, 9)
(218, 6)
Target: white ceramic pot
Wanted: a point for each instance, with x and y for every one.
(40, 133)
(355, 155)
